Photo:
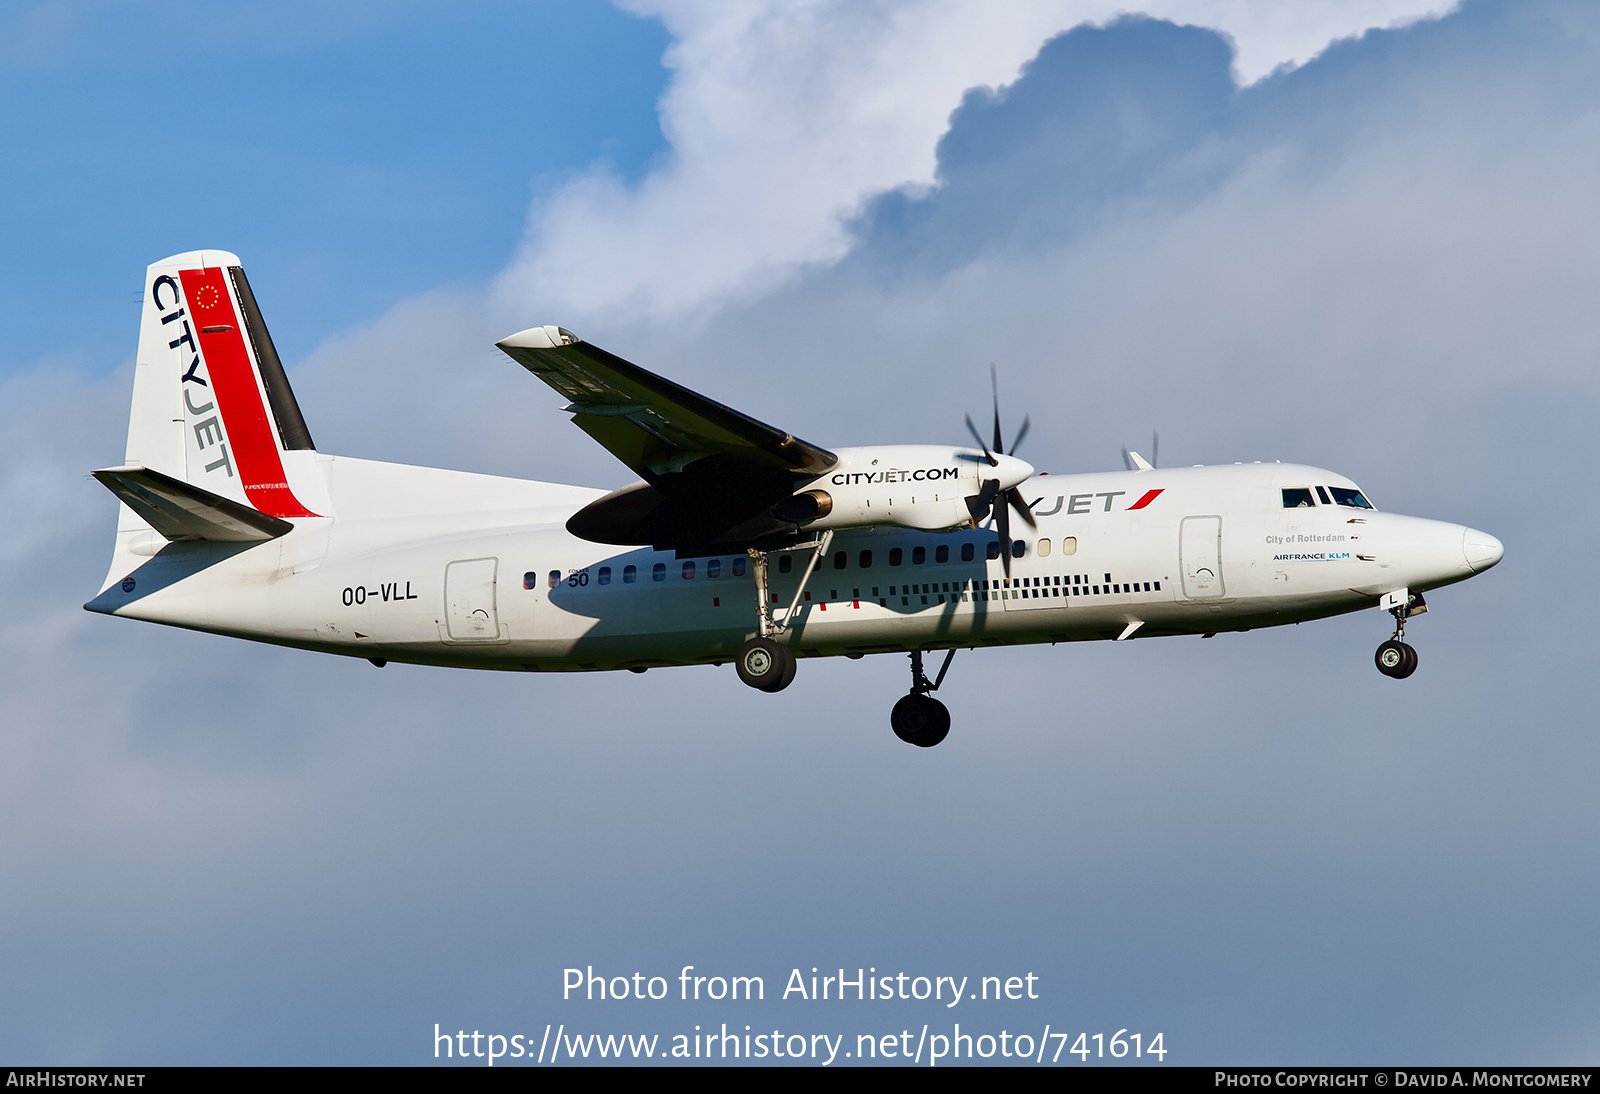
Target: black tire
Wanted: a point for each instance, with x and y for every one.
(790, 664)
(1410, 665)
(920, 720)
(1396, 659)
(765, 664)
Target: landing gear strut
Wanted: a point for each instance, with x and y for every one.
(1395, 658)
(920, 719)
(764, 662)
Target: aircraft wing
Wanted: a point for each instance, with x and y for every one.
(650, 423)
(711, 474)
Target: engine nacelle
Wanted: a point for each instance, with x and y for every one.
(813, 505)
(909, 486)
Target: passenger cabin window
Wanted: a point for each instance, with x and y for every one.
(865, 560)
(630, 574)
(658, 572)
(785, 563)
(738, 567)
(941, 553)
(605, 575)
(1044, 548)
(896, 556)
(841, 559)
(530, 580)
(992, 550)
(1297, 497)
(1069, 545)
(555, 578)
(919, 556)
(1018, 548)
(1352, 498)
(714, 568)
(688, 570)
(966, 552)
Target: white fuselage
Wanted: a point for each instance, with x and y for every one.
(447, 568)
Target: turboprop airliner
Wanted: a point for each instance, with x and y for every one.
(739, 542)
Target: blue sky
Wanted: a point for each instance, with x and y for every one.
(1380, 259)
(358, 156)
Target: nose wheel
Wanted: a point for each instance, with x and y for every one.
(920, 719)
(1395, 659)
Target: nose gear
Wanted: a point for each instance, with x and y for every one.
(1395, 658)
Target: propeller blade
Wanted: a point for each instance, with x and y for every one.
(980, 504)
(994, 385)
(979, 438)
(1024, 510)
(1002, 527)
(1013, 498)
(1021, 433)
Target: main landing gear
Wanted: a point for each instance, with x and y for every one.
(920, 719)
(1395, 658)
(764, 662)
(768, 664)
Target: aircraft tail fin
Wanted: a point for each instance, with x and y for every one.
(212, 406)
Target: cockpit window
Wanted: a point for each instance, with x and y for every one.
(1352, 498)
(1297, 497)
(1322, 493)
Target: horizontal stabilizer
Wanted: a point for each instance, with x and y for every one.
(181, 511)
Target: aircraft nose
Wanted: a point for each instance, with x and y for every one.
(1482, 549)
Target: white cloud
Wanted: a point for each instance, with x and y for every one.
(783, 117)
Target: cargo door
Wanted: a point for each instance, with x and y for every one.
(469, 598)
(1200, 556)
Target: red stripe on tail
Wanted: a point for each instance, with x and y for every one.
(244, 414)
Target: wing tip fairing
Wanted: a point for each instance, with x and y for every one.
(539, 338)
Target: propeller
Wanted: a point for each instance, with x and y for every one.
(980, 503)
(989, 498)
(1135, 462)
